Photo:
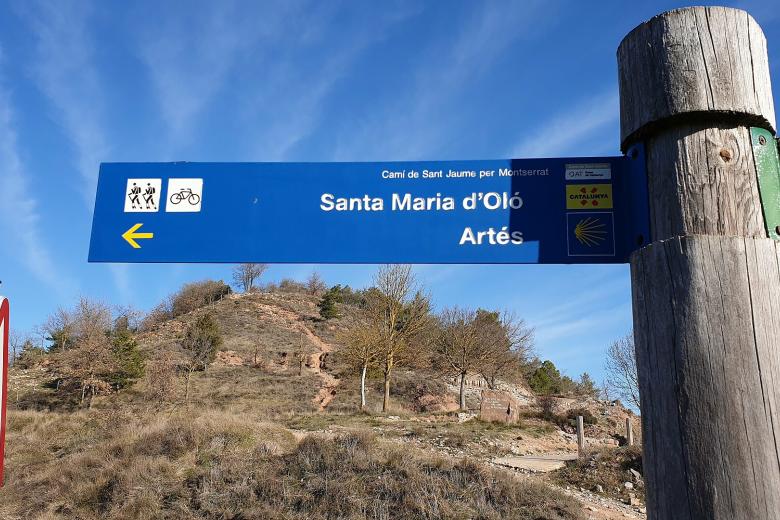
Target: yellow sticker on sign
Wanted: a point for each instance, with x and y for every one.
(589, 196)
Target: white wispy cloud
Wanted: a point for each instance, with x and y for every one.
(577, 324)
(189, 59)
(415, 124)
(596, 301)
(65, 73)
(567, 129)
(19, 214)
(295, 99)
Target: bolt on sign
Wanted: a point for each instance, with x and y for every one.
(549, 211)
(5, 326)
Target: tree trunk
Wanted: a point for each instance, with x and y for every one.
(706, 291)
(187, 387)
(388, 370)
(463, 391)
(386, 399)
(363, 388)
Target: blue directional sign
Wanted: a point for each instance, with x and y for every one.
(563, 211)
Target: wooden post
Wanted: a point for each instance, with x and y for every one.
(580, 437)
(629, 432)
(706, 291)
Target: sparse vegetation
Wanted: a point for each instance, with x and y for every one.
(315, 284)
(622, 378)
(362, 350)
(481, 341)
(86, 355)
(245, 276)
(399, 314)
(544, 378)
(220, 466)
(204, 432)
(161, 375)
(605, 471)
(328, 303)
(200, 344)
(190, 297)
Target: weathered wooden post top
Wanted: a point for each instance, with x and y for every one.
(695, 91)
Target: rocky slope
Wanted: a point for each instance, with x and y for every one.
(279, 368)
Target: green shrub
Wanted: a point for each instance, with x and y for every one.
(570, 418)
(198, 294)
(129, 360)
(30, 355)
(327, 304)
(546, 379)
(190, 297)
(201, 341)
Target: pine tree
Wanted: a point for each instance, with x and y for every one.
(546, 379)
(327, 304)
(129, 361)
(586, 386)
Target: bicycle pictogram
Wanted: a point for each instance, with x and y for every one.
(185, 194)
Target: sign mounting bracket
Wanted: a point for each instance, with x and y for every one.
(765, 154)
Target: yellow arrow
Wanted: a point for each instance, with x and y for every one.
(130, 235)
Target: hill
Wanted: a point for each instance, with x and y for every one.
(271, 429)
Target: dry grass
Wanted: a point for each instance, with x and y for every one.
(606, 467)
(218, 465)
(218, 456)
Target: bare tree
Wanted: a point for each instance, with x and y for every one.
(16, 343)
(399, 313)
(510, 344)
(200, 343)
(303, 353)
(82, 346)
(127, 317)
(161, 378)
(620, 365)
(245, 275)
(459, 343)
(59, 329)
(314, 284)
(362, 351)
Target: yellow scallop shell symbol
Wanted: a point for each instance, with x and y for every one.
(590, 232)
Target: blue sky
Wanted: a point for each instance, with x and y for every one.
(85, 83)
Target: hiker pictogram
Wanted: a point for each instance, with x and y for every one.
(135, 193)
(142, 195)
(149, 196)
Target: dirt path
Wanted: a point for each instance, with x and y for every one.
(316, 360)
(601, 508)
(329, 383)
(536, 463)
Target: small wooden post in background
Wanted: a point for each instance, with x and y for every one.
(629, 432)
(706, 291)
(580, 437)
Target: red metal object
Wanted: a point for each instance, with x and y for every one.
(5, 325)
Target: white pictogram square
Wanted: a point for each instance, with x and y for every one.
(142, 195)
(184, 195)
